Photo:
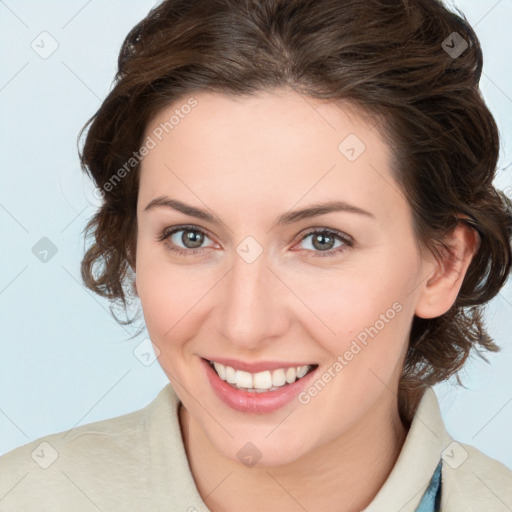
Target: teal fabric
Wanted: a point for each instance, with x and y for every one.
(431, 500)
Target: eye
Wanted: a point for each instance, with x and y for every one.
(191, 237)
(323, 242)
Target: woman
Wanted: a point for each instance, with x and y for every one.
(300, 195)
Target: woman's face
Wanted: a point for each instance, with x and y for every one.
(255, 289)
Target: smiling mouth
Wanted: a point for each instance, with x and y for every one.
(261, 382)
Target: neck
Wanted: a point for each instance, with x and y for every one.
(343, 475)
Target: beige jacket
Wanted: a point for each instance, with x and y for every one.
(137, 462)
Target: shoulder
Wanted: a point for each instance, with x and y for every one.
(80, 465)
(105, 435)
(473, 481)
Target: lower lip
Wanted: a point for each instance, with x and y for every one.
(258, 403)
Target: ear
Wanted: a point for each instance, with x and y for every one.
(440, 290)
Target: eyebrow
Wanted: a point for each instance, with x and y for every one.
(285, 219)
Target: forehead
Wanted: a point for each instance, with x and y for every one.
(258, 119)
(273, 146)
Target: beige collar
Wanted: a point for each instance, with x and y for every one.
(420, 454)
(469, 478)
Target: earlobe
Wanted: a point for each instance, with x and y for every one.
(440, 289)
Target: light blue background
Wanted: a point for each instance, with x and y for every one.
(64, 361)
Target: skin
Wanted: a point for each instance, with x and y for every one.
(249, 160)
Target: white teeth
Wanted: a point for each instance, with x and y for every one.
(278, 378)
(301, 371)
(291, 375)
(243, 379)
(221, 370)
(230, 374)
(261, 381)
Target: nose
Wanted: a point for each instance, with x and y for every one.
(251, 309)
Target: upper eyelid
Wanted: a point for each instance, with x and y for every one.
(175, 229)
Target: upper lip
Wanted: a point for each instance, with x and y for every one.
(258, 366)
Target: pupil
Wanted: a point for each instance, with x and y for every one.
(192, 237)
(317, 241)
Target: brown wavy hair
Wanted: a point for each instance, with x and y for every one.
(387, 58)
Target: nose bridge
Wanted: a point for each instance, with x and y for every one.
(249, 310)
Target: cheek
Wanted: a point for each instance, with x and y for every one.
(173, 298)
(365, 314)
(166, 301)
(354, 300)
(162, 293)
(365, 331)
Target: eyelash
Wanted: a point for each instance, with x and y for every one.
(347, 241)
